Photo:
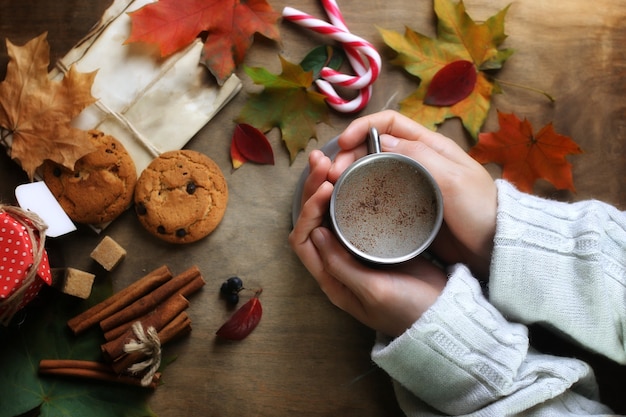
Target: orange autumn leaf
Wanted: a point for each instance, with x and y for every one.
(230, 26)
(525, 156)
(37, 112)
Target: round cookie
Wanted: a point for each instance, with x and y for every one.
(100, 187)
(181, 196)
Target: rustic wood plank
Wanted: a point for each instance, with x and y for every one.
(307, 358)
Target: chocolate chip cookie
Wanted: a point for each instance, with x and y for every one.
(181, 196)
(101, 185)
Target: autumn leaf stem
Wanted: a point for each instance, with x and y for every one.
(525, 87)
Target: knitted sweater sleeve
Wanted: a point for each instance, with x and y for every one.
(463, 356)
(564, 266)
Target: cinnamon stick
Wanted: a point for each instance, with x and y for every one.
(161, 316)
(180, 326)
(90, 370)
(195, 284)
(149, 301)
(157, 318)
(119, 300)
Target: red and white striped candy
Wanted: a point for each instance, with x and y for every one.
(361, 54)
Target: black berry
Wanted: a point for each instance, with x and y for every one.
(191, 188)
(230, 289)
(224, 290)
(235, 284)
(232, 298)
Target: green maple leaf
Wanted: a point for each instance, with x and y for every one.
(286, 102)
(459, 38)
(44, 334)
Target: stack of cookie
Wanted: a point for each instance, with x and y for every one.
(180, 197)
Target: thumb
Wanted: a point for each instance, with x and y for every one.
(343, 266)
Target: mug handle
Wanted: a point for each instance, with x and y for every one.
(373, 141)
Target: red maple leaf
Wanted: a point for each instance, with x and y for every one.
(230, 26)
(525, 156)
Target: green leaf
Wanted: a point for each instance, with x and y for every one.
(287, 103)
(323, 56)
(41, 332)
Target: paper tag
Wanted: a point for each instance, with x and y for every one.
(37, 197)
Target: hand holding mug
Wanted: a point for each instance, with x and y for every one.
(469, 193)
(391, 299)
(388, 300)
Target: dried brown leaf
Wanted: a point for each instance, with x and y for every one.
(37, 111)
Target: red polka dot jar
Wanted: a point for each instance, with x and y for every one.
(24, 266)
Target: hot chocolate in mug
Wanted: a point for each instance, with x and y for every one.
(386, 208)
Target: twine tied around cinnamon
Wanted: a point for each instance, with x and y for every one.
(33, 224)
(149, 344)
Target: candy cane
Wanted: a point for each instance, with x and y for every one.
(350, 42)
(353, 53)
(336, 18)
(333, 99)
(356, 60)
(362, 56)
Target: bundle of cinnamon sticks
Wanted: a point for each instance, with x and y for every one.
(157, 300)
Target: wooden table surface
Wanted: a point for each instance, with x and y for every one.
(307, 358)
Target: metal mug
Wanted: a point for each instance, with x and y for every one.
(386, 208)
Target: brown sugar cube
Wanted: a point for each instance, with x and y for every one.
(108, 253)
(77, 283)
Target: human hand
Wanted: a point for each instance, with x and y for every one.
(469, 193)
(389, 300)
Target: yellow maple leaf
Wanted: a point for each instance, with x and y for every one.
(463, 91)
(37, 111)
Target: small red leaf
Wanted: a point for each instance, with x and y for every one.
(451, 84)
(252, 144)
(243, 321)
